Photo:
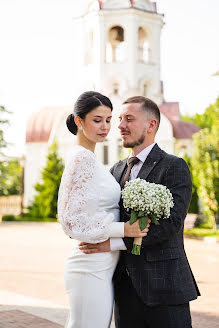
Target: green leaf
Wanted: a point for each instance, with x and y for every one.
(134, 217)
(143, 222)
(154, 220)
(140, 213)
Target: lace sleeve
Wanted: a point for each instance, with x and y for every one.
(78, 209)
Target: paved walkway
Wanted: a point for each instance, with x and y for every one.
(23, 319)
(32, 257)
(47, 311)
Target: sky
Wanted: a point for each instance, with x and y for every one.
(38, 57)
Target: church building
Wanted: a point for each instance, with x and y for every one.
(120, 52)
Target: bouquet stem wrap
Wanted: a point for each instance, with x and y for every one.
(136, 249)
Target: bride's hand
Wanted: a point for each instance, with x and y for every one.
(134, 229)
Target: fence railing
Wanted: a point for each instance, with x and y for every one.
(10, 205)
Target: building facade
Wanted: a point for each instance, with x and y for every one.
(120, 56)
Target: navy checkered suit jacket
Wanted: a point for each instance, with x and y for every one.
(161, 274)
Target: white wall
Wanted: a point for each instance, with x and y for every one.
(164, 136)
(35, 160)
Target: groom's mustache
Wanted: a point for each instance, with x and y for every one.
(124, 131)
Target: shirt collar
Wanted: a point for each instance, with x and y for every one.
(144, 153)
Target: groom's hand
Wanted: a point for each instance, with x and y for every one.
(95, 248)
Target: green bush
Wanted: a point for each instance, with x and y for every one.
(26, 218)
(45, 201)
(202, 232)
(34, 219)
(8, 217)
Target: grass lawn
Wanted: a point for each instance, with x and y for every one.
(28, 219)
(202, 232)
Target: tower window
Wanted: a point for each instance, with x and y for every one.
(115, 49)
(143, 45)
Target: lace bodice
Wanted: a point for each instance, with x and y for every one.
(88, 199)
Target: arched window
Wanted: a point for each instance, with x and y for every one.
(115, 49)
(143, 45)
(105, 153)
(145, 91)
(115, 88)
(119, 149)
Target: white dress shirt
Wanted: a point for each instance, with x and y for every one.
(118, 243)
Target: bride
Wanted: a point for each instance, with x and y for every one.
(89, 212)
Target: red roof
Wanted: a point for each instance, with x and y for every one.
(40, 124)
(181, 129)
(170, 110)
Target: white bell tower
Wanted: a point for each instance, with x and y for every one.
(121, 47)
(120, 57)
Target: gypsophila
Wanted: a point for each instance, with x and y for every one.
(150, 198)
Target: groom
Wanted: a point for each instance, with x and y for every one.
(152, 290)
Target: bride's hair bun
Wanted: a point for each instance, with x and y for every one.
(71, 125)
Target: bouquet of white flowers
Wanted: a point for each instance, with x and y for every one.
(146, 200)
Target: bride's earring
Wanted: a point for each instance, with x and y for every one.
(80, 128)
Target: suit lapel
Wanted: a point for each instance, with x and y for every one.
(118, 173)
(151, 161)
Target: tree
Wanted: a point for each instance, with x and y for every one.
(193, 207)
(207, 119)
(205, 160)
(205, 163)
(3, 121)
(10, 177)
(45, 201)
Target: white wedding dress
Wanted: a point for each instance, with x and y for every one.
(88, 211)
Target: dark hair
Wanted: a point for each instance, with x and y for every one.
(85, 103)
(147, 105)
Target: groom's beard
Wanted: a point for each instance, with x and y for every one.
(136, 142)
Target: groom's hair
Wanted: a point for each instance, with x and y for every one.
(147, 105)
